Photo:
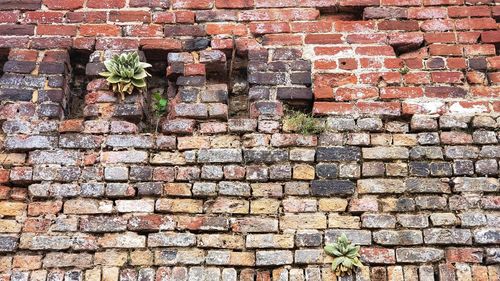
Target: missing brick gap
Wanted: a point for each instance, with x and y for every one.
(4, 56)
(157, 84)
(78, 83)
(238, 87)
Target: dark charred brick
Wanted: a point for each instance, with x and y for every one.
(20, 4)
(19, 66)
(258, 55)
(17, 29)
(301, 78)
(50, 110)
(191, 80)
(478, 63)
(420, 169)
(196, 44)
(287, 54)
(300, 65)
(445, 92)
(338, 153)
(265, 155)
(51, 95)
(184, 30)
(435, 63)
(463, 167)
(332, 187)
(290, 93)
(16, 94)
(263, 78)
(20, 80)
(52, 68)
(258, 93)
(326, 170)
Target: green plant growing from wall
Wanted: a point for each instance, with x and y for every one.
(160, 106)
(404, 70)
(125, 73)
(346, 256)
(304, 123)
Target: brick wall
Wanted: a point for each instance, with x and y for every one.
(408, 166)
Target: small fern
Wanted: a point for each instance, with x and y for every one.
(303, 123)
(160, 104)
(160, 107)
(404, 70)
(346, 256)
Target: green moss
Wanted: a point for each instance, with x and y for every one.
(303, 123)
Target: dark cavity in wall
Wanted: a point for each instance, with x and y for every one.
(4, 55)
(78, 83)
(237, 85)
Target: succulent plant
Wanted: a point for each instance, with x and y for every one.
(346, 256)
(125, 72)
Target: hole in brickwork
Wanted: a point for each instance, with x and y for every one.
(238, 87)
(157, 83)
(4, 55)
(78, 83)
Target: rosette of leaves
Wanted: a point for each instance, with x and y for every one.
(125, 72)
(346, 256)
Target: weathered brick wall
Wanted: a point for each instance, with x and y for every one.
(408, 91)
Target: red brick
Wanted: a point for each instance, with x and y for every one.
(456, 137)
(375, 51)
(51, 43)
(87, 17)
(377, 255)
(337, 108)
(105, 4)
(480, 50)
(447, 77)
(348, 63)
(43, 17)
(354, 26)
(401, 2)
(463, 12)
(116, 43)
(302, 14)
(184, 16)
(489, 92)
(456, 63)
(152, 30)
(63, 4)
(161, 44)
(437, 25)
(164, 17)
(442, 2)
(192, 4)
(311, 27)
(325, 64)
(269, 27)
(490, 36)
(323, 39)
(63, 30)
(44, 208)
(331, 51)
(398, 25)
(367, 38)
(439, 37)
(282, 39)
(194, 69)
(233, 4)
(129, 16)
(99, 30)
(427, 13)
(445, 50)
(374, 78)
(419, 107)
(401, 92)
(379, 108)
(23, 55)
(226, 28)
(475, 24)
(355, 93)
(9, 16)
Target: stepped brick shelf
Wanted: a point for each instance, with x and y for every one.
(222, 187)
